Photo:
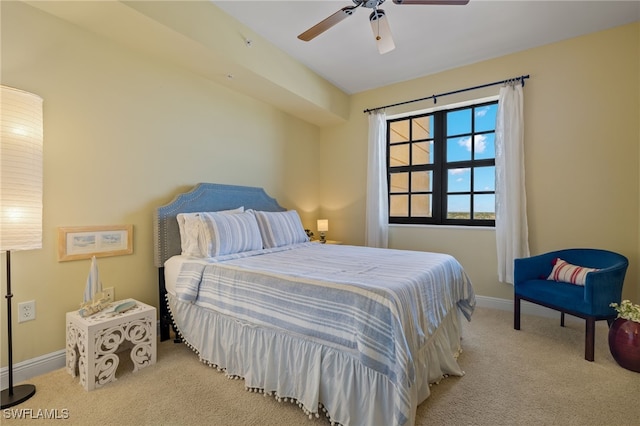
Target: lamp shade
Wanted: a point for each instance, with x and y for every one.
(323, 225)
(20, 170)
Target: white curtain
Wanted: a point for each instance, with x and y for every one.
(512, 235)
(377, 215)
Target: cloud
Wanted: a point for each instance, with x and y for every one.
(481, 112)
(480, 143)
(459, 171)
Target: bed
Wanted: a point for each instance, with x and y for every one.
(357, 334)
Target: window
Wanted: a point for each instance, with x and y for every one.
(441, 166)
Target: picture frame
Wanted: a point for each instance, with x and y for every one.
(84, 242)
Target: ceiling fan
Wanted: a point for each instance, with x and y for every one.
(378, 20)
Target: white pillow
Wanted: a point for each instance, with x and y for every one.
(567, 273)
(189, 226)
(229, 233)
(280, 228)
(191, 231)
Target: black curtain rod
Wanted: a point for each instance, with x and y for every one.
(522, 78)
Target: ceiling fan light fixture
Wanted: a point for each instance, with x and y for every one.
(381, 31)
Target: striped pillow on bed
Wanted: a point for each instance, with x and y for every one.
(229, 233)
(191, 233)
(280, 228)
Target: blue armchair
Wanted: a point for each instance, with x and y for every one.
(590, 302)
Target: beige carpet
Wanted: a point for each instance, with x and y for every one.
(536, 376)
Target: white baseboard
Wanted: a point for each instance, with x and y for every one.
(46, 363)
(33, 367)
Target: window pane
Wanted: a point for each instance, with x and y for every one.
(422, 128)
(399, 155)
(422, 153)
(459, 122)
(486, 117)
(399, 205)
(484, 207)
(421, 206)
(485, 146)
(399, 182)
(458, 149)
(459, 180)
(458, 207)
(484, 179)
(421, 181)
(399, 131)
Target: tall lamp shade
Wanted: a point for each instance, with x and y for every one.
(21, 140)
(21, 170)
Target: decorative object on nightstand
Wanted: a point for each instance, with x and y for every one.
(94, 300)
(309, 233)
(20, 199)
(323, 226)
(93, 341)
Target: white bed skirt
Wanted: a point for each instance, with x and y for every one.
(318, 377)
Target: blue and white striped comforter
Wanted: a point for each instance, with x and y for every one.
(379, 305)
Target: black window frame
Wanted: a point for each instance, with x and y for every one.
(440, 168)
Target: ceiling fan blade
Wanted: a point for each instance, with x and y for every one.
(449, 2)
(327, 23)
(381, 31)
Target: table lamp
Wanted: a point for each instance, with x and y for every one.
(323, 226)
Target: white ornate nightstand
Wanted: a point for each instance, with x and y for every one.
(92, 342)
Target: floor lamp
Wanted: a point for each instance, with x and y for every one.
(20, 199)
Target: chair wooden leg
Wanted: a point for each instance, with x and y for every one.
(561, 319)
(516, 312)
(589, 341)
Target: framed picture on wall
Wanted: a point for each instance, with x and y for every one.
(84, 242)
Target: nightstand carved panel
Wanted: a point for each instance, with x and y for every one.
(93, 342)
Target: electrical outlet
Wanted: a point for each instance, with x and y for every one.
(27, 311)
(109, 293)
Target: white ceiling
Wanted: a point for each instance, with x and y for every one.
(428, 39)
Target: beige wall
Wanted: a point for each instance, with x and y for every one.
(123, 134)
(582, 154)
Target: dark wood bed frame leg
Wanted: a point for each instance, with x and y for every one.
(165, 316)
(516, 313)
